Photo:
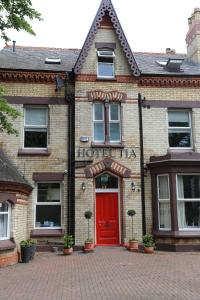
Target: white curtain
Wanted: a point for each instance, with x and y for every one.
(165, 215)
(163, 187)
(3, 225)
(181, 215)
(180, 187)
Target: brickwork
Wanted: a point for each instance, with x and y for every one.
(8, 258)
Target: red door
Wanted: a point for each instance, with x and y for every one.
(107, 219)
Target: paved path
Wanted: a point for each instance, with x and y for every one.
(109, 273)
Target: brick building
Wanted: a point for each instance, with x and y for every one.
(103, 129)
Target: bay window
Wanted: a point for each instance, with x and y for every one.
(179, 129)
(35, 127)
(106, 122)
(4, 221)
(48, 206)
(164, 202)
(188, 201)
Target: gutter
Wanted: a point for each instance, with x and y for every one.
(142, 163)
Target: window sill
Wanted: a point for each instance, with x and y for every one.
(47, 233)
(177, 234)
(34, 152)
(95, 145)
(7, 245)
(106, 79)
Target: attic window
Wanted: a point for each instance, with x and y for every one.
(105, 64)
(172, 64)
(53, 60)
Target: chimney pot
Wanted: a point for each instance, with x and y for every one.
(14, 43)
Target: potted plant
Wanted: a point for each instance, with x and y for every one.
(89, 244)
(68, 244)
(133, 242)
(149, 244)
(28, 248)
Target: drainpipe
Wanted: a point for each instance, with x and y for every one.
(70, 97)
(142, 164)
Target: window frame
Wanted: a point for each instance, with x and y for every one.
(8, 222)
(46, 204)
(163, 201)
(181, 129)
(185, 200)
(36, 126)
(107, 120)
(107, 63)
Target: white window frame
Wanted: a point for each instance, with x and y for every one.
(36, 126)
(186, 200)
(104, 53)
(7, 237)
(181, 129)
(99, 121)
(163, 200)
(47, 203)
(115, 122)
(108, 120)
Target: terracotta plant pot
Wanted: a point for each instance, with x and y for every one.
(133, 245)
(89, 246)
(67, 251)
(149, 250)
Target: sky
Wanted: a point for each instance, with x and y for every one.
(149, 25)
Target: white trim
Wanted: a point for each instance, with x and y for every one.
(163, 200)
(106, 190)
(181, 129)
(99, 121)
(45, 204)
(115, 122)
(8, 213)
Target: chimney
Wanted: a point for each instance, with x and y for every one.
(14, 43)
(193, 36)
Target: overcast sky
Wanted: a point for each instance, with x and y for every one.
(149, 25)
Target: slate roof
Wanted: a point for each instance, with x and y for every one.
(8, 172)
(33, 58)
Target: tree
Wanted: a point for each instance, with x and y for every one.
(15, 14)
(7, 115)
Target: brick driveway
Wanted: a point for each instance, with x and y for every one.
(109, 273)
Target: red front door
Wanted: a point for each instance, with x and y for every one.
(107, 219)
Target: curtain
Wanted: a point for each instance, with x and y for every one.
(163, 187)
(180, 187)
(165, 215)
(181, 215)
(3, 225)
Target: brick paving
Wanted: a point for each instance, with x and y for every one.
(108, 273)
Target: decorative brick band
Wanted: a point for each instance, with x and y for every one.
(109, 165)
(34, 77)
(117, 79)
(100, 95)
(169, 82)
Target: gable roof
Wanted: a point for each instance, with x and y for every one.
(106, 6)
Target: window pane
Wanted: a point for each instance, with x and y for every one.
(188, 186)
(3, 225)
(98, 112)
(163, 187)
(105, 69)
(165, 215)
(99, 132)
(189, 214)
(114, 112)
(48, 215)
(179, 139)
(106, 181)
(4, 207)
(48, 192)
(35, 139)
(179, 119)
(114, 132)
(36, 116)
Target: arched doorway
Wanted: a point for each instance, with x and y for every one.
(107, 209)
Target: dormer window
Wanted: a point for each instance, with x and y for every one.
(105, 64)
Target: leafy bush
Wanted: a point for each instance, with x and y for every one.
(148, 240)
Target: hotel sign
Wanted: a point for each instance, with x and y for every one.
(92, 153)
